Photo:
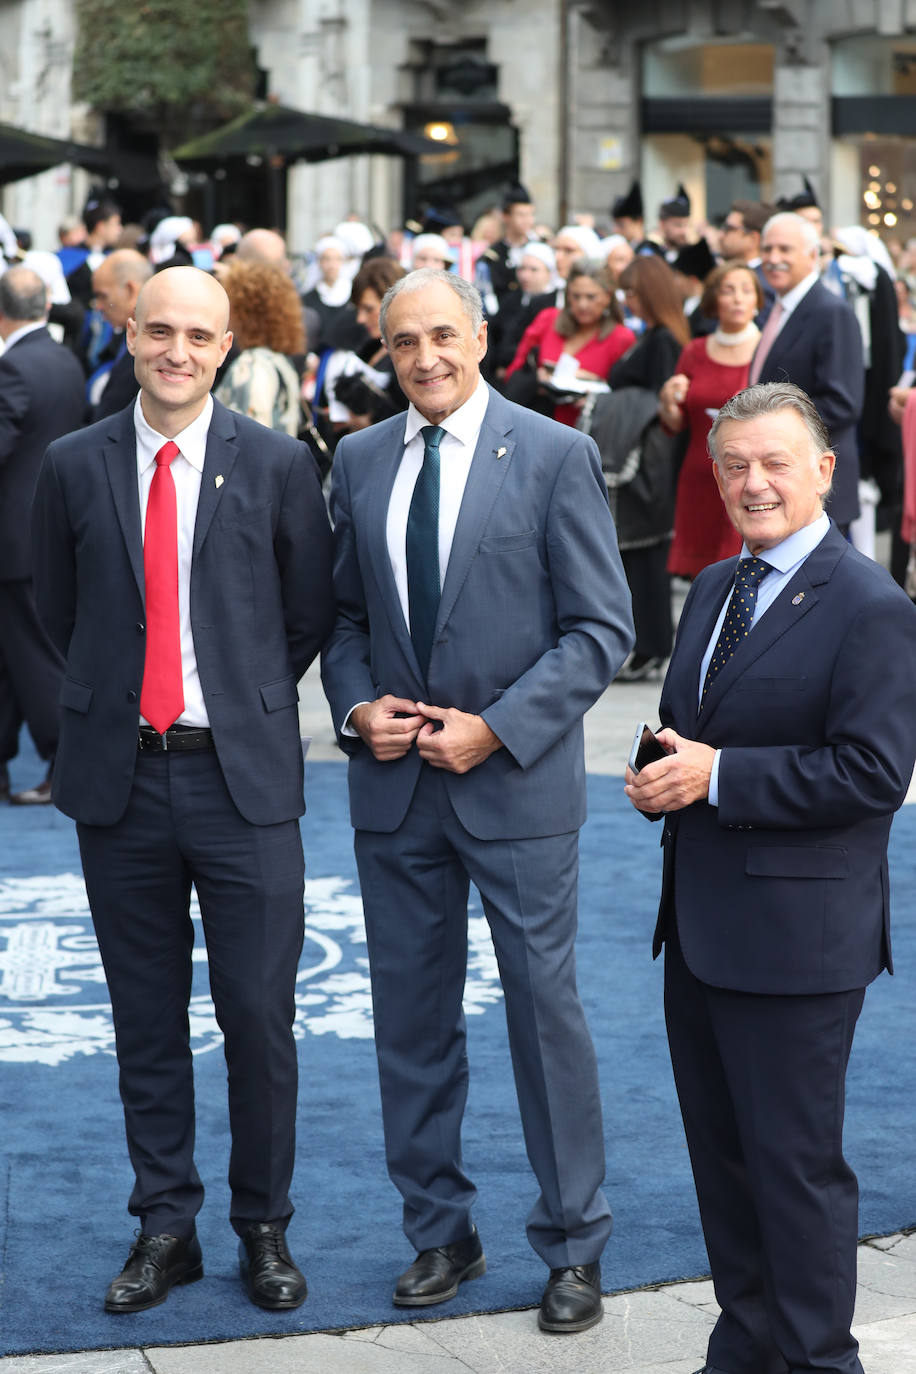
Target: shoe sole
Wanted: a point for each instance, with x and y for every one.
(124, 1309)
(561, 1327)
(473, 1271)
(281, 1305)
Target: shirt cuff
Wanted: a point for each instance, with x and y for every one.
(347, 729)
(713, 797)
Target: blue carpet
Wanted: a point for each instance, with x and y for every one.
(64, 1230)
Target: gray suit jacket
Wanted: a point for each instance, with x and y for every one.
(533, 624)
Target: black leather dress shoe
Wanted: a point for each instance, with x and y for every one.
(271, 1277)
(435, 1275)
(155, 1264)
(572, 1299)
(39, 795)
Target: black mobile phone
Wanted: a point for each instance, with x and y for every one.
(646, 748)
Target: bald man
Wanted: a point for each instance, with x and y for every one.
(116, 284)
(183, 570)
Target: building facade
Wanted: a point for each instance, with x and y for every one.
(577, 97)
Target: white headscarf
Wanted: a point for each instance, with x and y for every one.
(48, 267)
(587, 239)
(165, 235)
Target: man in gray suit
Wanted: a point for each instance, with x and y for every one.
(482, 609)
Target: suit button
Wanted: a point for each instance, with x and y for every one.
(141, 629)
(131, 696)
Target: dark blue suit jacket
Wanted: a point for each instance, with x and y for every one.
(261, 606)
(41, 397)
(783, 888)
(819, 348)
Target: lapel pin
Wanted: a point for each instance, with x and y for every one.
(219, 481)
(500, 452)
(797, 600)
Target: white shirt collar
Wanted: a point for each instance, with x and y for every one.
(795, 547)
(792, 298)
(463, 424)
(192, 440)
(21, 332)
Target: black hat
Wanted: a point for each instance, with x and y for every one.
(803, 200)
(516, 194)
(439, 217)
(695, 260)
(630, 205)
(678, 207)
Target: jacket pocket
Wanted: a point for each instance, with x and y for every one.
(76, 696)
(276, 695)
(508, 543)
(797, 861)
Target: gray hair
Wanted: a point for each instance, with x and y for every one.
(809, 234)
(468, 294)
(769, 398)
(23, 295)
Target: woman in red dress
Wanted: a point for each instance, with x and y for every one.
(589, 327)
(709, 371)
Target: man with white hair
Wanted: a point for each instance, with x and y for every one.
(812, 338)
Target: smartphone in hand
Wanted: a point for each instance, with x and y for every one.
(646, 748)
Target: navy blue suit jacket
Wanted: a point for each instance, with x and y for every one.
(819, 348)
(41, 397)
(533, 623)
(261, 606)
(783, 888)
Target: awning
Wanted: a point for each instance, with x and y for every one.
(24, 154)
(277, 131)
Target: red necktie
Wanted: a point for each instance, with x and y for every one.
(162, 696)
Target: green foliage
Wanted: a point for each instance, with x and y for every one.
(177, 64)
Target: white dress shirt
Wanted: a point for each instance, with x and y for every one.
(456, 453)
(785, 559)
(794, 298)
(187, 470)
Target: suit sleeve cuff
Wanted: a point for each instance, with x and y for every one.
(347, 729)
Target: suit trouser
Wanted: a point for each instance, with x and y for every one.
(31, 671)
(415, 884)
(181, 826)
(761, 1084)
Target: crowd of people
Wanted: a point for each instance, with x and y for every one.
(405, 451)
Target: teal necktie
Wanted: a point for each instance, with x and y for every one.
(423, 586)
(749, 573)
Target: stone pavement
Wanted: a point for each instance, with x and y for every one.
(652, 1331)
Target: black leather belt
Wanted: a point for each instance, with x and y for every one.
(176, 737)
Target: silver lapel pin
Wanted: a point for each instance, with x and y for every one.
(500, 452)
(219, 481)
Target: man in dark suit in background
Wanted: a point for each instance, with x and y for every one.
(812, 338)
(183, 570)
(788, 714)
(41, 398)
(479, 617)
(116, 284)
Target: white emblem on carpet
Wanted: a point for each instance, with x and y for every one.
(53, 1002)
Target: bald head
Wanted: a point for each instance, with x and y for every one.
(262, 245)
(179, 336)
(117, 282)
(23, 299)
(187, 284)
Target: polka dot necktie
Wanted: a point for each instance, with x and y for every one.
(423, 585)
(749, 573)
(162, 693)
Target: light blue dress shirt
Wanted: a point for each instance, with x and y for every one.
(785, 559)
